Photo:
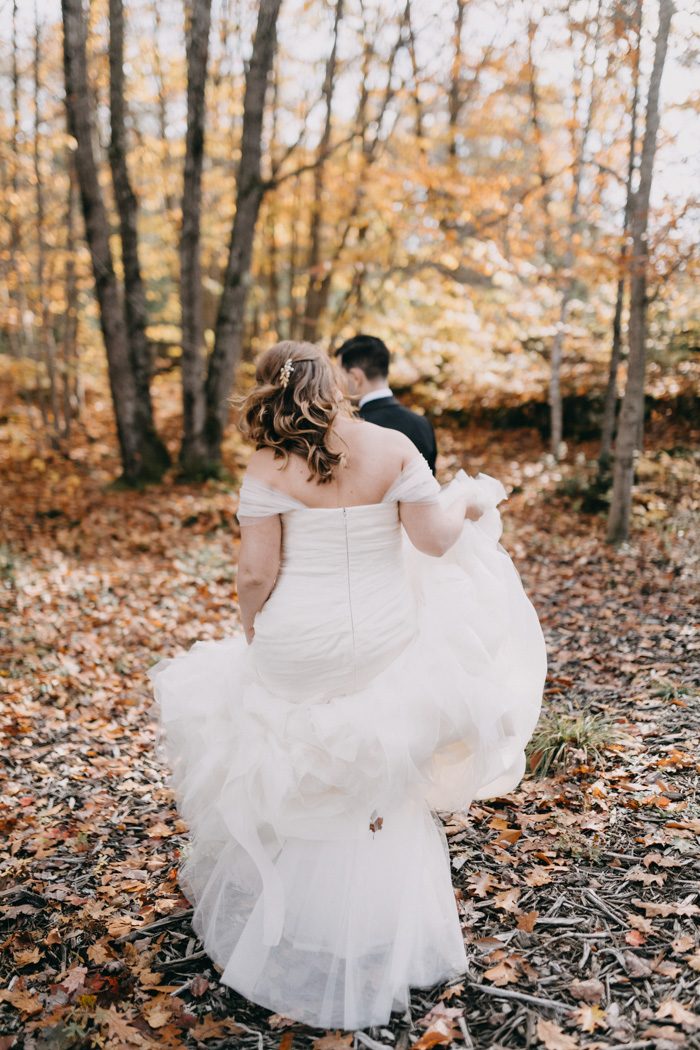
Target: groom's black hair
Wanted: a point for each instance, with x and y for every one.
(366, 352)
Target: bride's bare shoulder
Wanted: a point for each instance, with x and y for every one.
(383, 440)
(263, 465)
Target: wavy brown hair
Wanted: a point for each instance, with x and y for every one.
(294, 405)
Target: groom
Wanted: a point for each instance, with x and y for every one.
(365, 359)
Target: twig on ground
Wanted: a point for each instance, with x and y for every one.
(523, 997)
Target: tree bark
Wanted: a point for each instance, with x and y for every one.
(538, 133)
(574, 226)
(610, 402)
(193, 453)
(314, 294)
(229, 324)
(46, 336)
(155, 458)
(111, 308)
(631, 423)
(417, 102)
(15, 328)
(454, 96)
(169, 199)
(69, 335)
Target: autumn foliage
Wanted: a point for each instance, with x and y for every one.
(577, 892)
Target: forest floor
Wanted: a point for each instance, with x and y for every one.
(578, 892)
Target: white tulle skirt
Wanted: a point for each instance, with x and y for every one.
(319, 874)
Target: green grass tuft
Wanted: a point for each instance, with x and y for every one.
(559, 739)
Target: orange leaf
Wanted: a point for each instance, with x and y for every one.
(527, 921)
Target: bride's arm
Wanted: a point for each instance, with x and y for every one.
(258, 565)
(432, 527)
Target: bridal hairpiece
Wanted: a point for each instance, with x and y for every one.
(286, 372)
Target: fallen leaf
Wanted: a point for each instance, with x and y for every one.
(280, 1021)
(527, 920)
(553, 1037)
(508, 900)
(589, 1018)
(119, 1027)
(538, 877)
(158, 1013)
(678, 1013)
(74, 979)
(160, 831)
(25, 1001)
(27, 956)
(333, 1041)
(442, 1033)
(452, 990)
(98, 954)
(505, 972)
(680, 908)
(198, 986)
(481, 883)
(590, 991)
(213, 1028)
(635, 939)
(636, 966)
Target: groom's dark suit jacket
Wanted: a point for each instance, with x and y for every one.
(388, 412)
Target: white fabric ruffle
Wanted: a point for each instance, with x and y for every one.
(306, 909)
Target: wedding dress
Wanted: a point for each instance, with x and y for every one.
(382, 685)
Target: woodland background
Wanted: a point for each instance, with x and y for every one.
(507, 193)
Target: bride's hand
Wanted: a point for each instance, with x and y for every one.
(473, 512)
(249, 634)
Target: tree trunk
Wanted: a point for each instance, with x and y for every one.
(121, 378)
(154, 455)
(454, 96)
(579, 161)
(193, 453)
(229, 324)
(417, 102)
(69, 335)
(631, 423)
(169, 199)
(46, 336)
(610, 403)
(15, 328)
(538, 133)
(295, 262)
(314, 294)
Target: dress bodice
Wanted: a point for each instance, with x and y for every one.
(341, 604)
(414, 484)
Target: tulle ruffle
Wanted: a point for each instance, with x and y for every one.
(317, 870)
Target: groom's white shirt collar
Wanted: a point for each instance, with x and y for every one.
(374, 395)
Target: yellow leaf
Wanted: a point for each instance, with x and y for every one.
(588, 1018)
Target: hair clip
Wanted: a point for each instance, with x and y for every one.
(286, 372)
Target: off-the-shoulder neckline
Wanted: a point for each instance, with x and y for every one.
(299, 505)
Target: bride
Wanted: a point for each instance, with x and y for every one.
(391, 667)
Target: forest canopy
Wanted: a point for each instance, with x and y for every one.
(458, 179)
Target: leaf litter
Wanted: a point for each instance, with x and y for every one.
(578, 893)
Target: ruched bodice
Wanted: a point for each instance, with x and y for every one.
(341, 609)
